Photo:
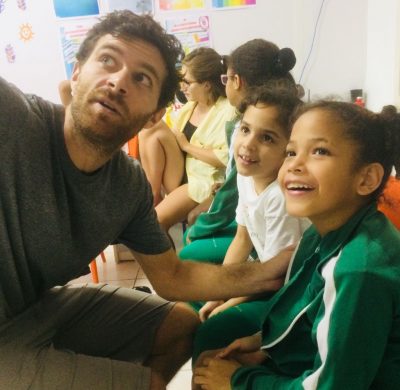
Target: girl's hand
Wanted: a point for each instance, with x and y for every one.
(243, 345)
(226, 305)
(205, 311)
(215, 374)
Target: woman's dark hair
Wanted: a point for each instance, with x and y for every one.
(377, 136)
(127, 25)
(205, 64)
(278, 93)
(258, 61)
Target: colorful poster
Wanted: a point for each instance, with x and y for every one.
(223, 4)
(136, 6)
(192, 31)
(72, 33)
(179, 5)
(68, 8)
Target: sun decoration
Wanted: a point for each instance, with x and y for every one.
(25, 32)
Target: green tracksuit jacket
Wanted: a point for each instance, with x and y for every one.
(336, 322)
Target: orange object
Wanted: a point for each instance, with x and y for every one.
(93, 268)
(390, 202)
(133, 147)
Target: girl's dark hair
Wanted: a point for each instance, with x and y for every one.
(127, 25)
(258, 61)
(377, 136)
(205, 64)
(278, 93)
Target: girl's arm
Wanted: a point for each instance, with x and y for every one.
(240, 248)
(238, 252)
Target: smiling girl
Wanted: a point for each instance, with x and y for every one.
(336, 322)
(263, 223)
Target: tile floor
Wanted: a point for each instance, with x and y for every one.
(129, 274)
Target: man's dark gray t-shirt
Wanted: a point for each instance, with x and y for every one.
(53, 218)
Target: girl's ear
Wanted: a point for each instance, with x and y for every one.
(370, 179)
(238, 82)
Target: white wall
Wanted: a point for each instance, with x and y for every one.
(338, 62)
(382, 61)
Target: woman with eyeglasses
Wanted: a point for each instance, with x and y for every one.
(200, 133)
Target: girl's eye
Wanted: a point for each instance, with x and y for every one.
(143, 79)
(321, 152)
(267, 138)
(290, 153)
(107, 60)
(244, 129)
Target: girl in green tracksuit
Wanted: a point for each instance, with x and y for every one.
(336, 322)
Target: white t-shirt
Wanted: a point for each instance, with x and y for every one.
(270, 228)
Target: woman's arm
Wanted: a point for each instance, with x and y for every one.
(205, 154)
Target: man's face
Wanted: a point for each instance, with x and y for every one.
(116, 91)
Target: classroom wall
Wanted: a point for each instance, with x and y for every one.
(337, 63)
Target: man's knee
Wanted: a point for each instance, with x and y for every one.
(178, 326)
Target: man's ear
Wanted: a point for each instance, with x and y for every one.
(370, 179)
(75, 75)
(155, 118)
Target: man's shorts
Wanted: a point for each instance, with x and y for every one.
(82, 337)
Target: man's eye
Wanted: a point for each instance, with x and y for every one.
(142, 79)
(107, 60)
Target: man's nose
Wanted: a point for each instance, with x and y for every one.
(118, 83)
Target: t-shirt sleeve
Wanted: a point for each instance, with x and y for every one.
(143, 233)
(281, 229)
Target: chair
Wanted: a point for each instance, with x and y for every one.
(93, 268)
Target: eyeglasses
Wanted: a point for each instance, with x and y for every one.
(188, 82)
(225, 78)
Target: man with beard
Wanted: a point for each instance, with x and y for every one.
(67, 191)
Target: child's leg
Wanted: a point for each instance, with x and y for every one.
(174, 161)
(162, 160)
(175, 207)
(236, 322)
(211, 250)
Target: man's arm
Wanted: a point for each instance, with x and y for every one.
(189, 281)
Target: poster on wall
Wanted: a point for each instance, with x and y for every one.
(68, 8)
(192, 31)
(180, 5)
(229, 4)
(136, 6)
(72, 33)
